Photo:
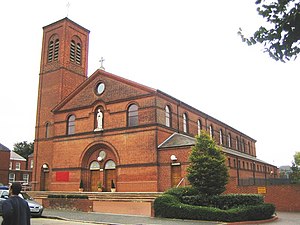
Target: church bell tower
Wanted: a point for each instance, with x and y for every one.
(64, 64)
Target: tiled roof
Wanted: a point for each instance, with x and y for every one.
(4, 148)
(15, 156)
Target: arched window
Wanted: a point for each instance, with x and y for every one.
(168, 116)
(133, 115)
(221, 137)
(249, 148)
(75, 52)
(47, 130)
(94, 165)
(199, 127)
(237, 143)
(71, 125)
(211, 131)
(243, 145)
(229, 140)
(110, 165)
(185, 123)
(53, 50)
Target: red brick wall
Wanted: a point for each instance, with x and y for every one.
(4, 166)
(284, 197)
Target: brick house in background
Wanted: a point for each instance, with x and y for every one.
(108, 129)
(4, 164)
(18, 170)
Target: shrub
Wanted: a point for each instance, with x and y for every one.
(180, 192)
(169, 206)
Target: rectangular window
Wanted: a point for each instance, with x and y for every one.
(26, 178)
(11, 177)
(31, 164)
(10, 165)
(18, 166)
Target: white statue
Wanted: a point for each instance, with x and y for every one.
(99, 121)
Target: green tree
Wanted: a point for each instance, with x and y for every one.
(295, 175)
(281, 36)
(24, 149)
(297, 158)
(207, 171)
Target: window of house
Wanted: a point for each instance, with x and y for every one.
(10, 165)
(133, 115)
(18, 166)
(185, 123)
(199, 126)
(26, 178)
(229, 162)
(229, 140)
(11, 177)
(31, 164)
(71, 125)
(234, 163)
(221, 137)
(168, 116)
(211, 131)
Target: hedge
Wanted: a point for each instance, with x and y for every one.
(170, 206)
(224, 201)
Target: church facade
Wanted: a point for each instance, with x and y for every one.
(109, 131)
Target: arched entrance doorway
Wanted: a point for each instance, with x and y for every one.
(110, 175)
(99, 163)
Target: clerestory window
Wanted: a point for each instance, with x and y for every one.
(133, 115)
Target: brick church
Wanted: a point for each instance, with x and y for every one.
(110, 130)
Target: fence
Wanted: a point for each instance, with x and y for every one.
(263, 181)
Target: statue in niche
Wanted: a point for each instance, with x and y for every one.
(99, 121)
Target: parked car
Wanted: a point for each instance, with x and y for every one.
(4, 188)
(36, 209)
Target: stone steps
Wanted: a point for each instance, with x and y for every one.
(102, 196)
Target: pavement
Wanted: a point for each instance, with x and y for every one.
(63, 217)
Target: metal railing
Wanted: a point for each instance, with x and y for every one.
(263, 181)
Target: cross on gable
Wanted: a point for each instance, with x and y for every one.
(101, 61)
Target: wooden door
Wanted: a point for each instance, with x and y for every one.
(95, 179)
(109, 176)
(175, 175)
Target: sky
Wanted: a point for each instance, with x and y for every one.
(187, 48)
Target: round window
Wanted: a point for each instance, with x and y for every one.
(100, 88)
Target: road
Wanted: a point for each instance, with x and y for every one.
(80, 218)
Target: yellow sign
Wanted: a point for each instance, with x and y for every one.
(261, 190)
